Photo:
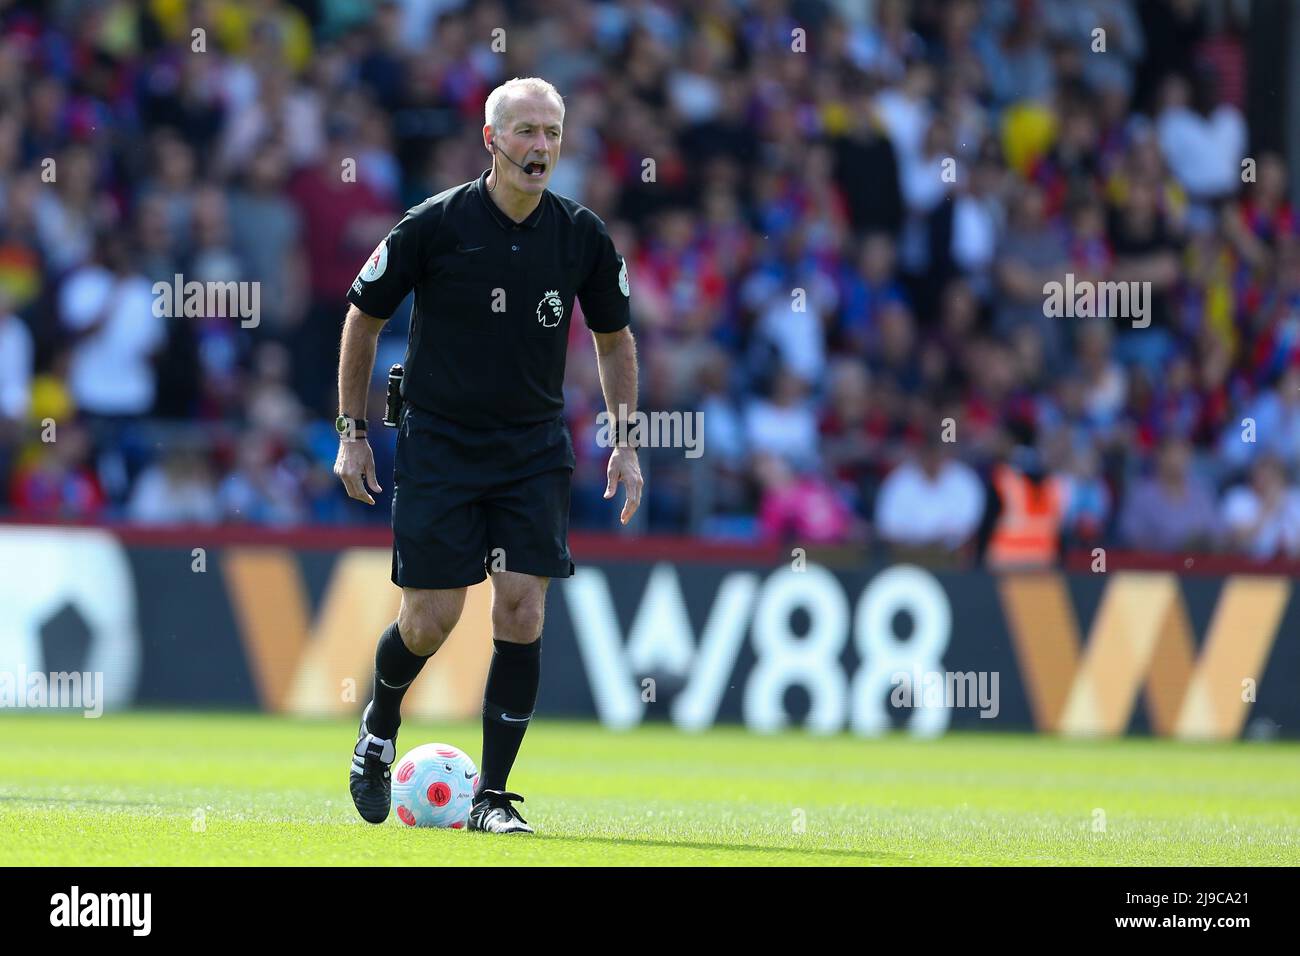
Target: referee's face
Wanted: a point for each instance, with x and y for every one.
(528, 138)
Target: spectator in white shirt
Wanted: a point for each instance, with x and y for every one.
(784, 425)
(905, 111)
(107, 308)
(796, 331)
(1262, 519)
(930, 501)
(177, 490)
(1203, 143)
(15, 364)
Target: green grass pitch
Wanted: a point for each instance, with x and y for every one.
(230, 790)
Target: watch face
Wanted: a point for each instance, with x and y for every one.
(341, 424)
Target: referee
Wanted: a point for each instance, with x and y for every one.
(484, 459)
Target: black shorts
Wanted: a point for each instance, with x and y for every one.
(470, 501)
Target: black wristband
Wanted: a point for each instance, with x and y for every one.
(348, 428)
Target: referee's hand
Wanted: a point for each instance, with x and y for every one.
(355, 465)
(625, 467)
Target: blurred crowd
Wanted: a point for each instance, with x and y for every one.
(837, 256)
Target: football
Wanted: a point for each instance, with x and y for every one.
(433, 786)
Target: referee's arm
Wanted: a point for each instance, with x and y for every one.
(616, 361)
(355, 463)
(383, 282)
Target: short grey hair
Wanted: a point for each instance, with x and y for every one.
(494, 110)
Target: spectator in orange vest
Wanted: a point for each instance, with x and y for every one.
(1030, 506)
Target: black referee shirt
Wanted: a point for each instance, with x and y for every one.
(493, 300)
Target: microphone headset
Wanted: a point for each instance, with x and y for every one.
(497, 150)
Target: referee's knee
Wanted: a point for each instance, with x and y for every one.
(426, 624)
(519, 623)
(422, 636)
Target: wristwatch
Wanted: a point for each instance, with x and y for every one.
(348, 427)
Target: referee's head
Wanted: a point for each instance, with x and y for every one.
(523, 124)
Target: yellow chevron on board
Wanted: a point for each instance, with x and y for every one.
(1169, 672)
(1135, 610)
(359, 603)
(304, 669)
(1240, 635)
(1045, 634)
(273, 615)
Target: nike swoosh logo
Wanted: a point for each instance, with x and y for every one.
(516, 720)
(460, 248)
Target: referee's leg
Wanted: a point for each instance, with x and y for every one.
(423, 622)
(425, 619)
(518, 611)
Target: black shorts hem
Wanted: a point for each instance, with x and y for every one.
(542, 569)
(537, 570)
(435, 584)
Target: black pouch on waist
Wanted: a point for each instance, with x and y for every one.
(393, 406)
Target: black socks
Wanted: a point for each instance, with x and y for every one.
(508, 702)
(395, 668)
(508, 699)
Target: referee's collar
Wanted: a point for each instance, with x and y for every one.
(502, 220)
